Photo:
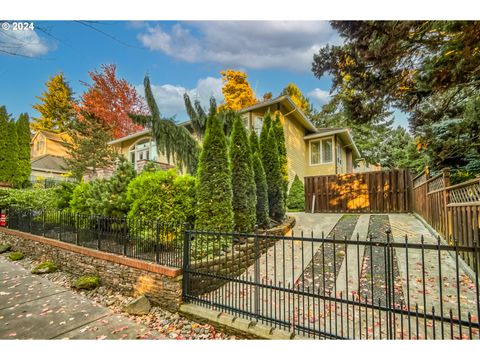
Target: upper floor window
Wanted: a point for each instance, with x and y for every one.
(257, 125)
(40, 145)
(321, 151)
(339, 153)
(145, 149)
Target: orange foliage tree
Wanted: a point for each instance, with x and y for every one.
(236, 90)
(110, 100)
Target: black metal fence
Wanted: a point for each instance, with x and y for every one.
(154, 241)
(390, 288)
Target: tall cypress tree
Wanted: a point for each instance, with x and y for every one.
(273, 173)
(260, 183)
(282, 153)
(23, 164)
(4, 143)
(243, 181)
(267, 122)
(214, 184)
(11, 159)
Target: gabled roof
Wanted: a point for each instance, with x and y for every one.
(58, 137)
(131, 136)
(49, 163)
(289, 104)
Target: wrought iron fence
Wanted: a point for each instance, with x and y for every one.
(142, 239)
(390, 288)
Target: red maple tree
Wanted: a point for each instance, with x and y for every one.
(111, 100)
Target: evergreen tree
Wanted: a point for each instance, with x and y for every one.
(260, 183)
(273, 174)
(267, 122)
(296, 195)
(243, 181)
(214, 184)
(113, 198)
(56, 107)
(23, 165)
(4, 144)
(89, 149)
(282, 153)
(172, 140)
(11, 158)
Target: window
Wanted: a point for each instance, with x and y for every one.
(321, 151)
(245, 121)
(339, 152)
(143, 150)
(257, 125)
(40, 145)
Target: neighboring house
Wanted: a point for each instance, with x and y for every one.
(310, 151)
(48, 167)
(48, 153)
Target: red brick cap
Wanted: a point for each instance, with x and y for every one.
(117, 259)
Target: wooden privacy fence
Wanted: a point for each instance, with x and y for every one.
(452, 210)
(369, 192)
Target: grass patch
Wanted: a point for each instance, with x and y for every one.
(86, 283)
(16, 255)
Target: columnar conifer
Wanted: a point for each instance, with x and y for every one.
(214, 182)
(260, 183)
(23, 164)
(243, 180)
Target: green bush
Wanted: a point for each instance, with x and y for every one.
(29, 198)
(163, 196)
(296, 195)
(64, 192)
(80, 196)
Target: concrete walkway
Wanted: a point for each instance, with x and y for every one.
(32, 307)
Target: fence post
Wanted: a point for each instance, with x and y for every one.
(389, 284)
(43, 222)
(60, 233)
(256, 272)
(125, 234)
(446, 182)
(30, 216)
(186, 261)
(157, 243)
(76, 228)
(100, 223)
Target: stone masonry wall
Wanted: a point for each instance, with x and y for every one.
(232, 263)
(162, 285)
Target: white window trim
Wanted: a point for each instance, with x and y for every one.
(321, 151)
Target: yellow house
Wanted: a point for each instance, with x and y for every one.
(48, 153)
(310, 151)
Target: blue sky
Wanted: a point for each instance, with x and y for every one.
(179, 57)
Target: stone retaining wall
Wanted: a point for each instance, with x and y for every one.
(162, 285)
(234, 262)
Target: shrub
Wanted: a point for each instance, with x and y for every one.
(80, 196)
(243, 181)
(296, 195)
(64, 194)
(86, 283)
(35, 199)
(16, 255)
(163, 196)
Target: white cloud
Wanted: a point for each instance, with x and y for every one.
(320, 96)
(251, 44)
(170, 97)
(25, 42)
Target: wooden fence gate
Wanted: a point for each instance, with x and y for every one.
(369, 192)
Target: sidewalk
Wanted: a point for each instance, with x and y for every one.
(34, 308)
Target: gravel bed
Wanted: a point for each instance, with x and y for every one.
(326, 264)
(172, 325)
(372, 281)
